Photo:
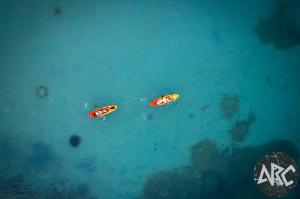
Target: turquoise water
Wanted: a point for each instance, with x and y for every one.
(128, 53)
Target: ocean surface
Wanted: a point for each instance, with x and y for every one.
(235, 64)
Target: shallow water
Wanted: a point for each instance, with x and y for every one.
(89, 53)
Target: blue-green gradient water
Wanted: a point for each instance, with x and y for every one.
(229, 61)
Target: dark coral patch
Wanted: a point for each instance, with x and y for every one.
(269, 82)
(234, 180)
(240, 130)
(206, 156)
(75, 140)
(281, 27)
(174, 184)
(57, 11)
(149, 116)
(182, 183)
(155, 146)
(88, 165)
(204, 107)
(42, 156)
(191, 115)
(229, 105)
(17, 187)
(282, 146)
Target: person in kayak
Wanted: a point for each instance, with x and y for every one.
(163, 100)
(101, 112)
(159, 102)
(104, 110)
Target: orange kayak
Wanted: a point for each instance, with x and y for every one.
(164, 100)
(100, 112)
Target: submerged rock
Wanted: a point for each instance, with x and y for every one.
(229, 105)
(75, 140)
(41, 91)
(57, 11)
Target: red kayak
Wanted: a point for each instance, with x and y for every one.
(164, 100)
(101, 112)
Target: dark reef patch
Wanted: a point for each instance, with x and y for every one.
(76, 193)
(15, 183)
(87, 165)
(18, 188)
(233, 180)
(204, 107)
(75, 140)
(229, 105)
(57, 11)
(268, 82)
(282, 26)
(174, 184)
(206, 156)
(83, 189)
(191, 115)
(282, 146)
(240, 130)
(182, 183)
(7, 153)
(41, 91)
(155, 146)
(42, 156)
(149, 116)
